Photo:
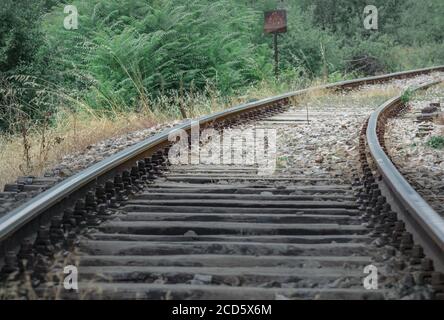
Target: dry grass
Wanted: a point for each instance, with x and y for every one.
(386, 90)
(42, 147)
(72, 133)
(323, 96)
(312, 95)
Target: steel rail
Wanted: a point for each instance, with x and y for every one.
(424, 221)
(19, 217)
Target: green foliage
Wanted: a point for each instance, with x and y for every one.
(421, 23)
(406, 96)
(410, 27)
(20, 40)
(345, 16)
(128, 53)
(134, 52)
(436, 142)
(316, 51)
(19, 36)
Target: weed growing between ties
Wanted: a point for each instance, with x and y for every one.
(436, 142)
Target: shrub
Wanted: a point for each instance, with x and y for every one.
(436, 142)
(406, 96)
(129, 56)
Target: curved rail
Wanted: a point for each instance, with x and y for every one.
(12, 222)
(424, 221)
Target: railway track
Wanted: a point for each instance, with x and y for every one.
(429, 184)
(138, 226)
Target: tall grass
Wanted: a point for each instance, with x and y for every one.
(35, 144)
(136, 63)
(124, 55)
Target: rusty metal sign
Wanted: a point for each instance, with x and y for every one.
(275, 21)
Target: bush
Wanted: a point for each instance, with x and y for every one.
(436, 142)
(19, 36)
(128, 53)
(131, 56)
(406, 96)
